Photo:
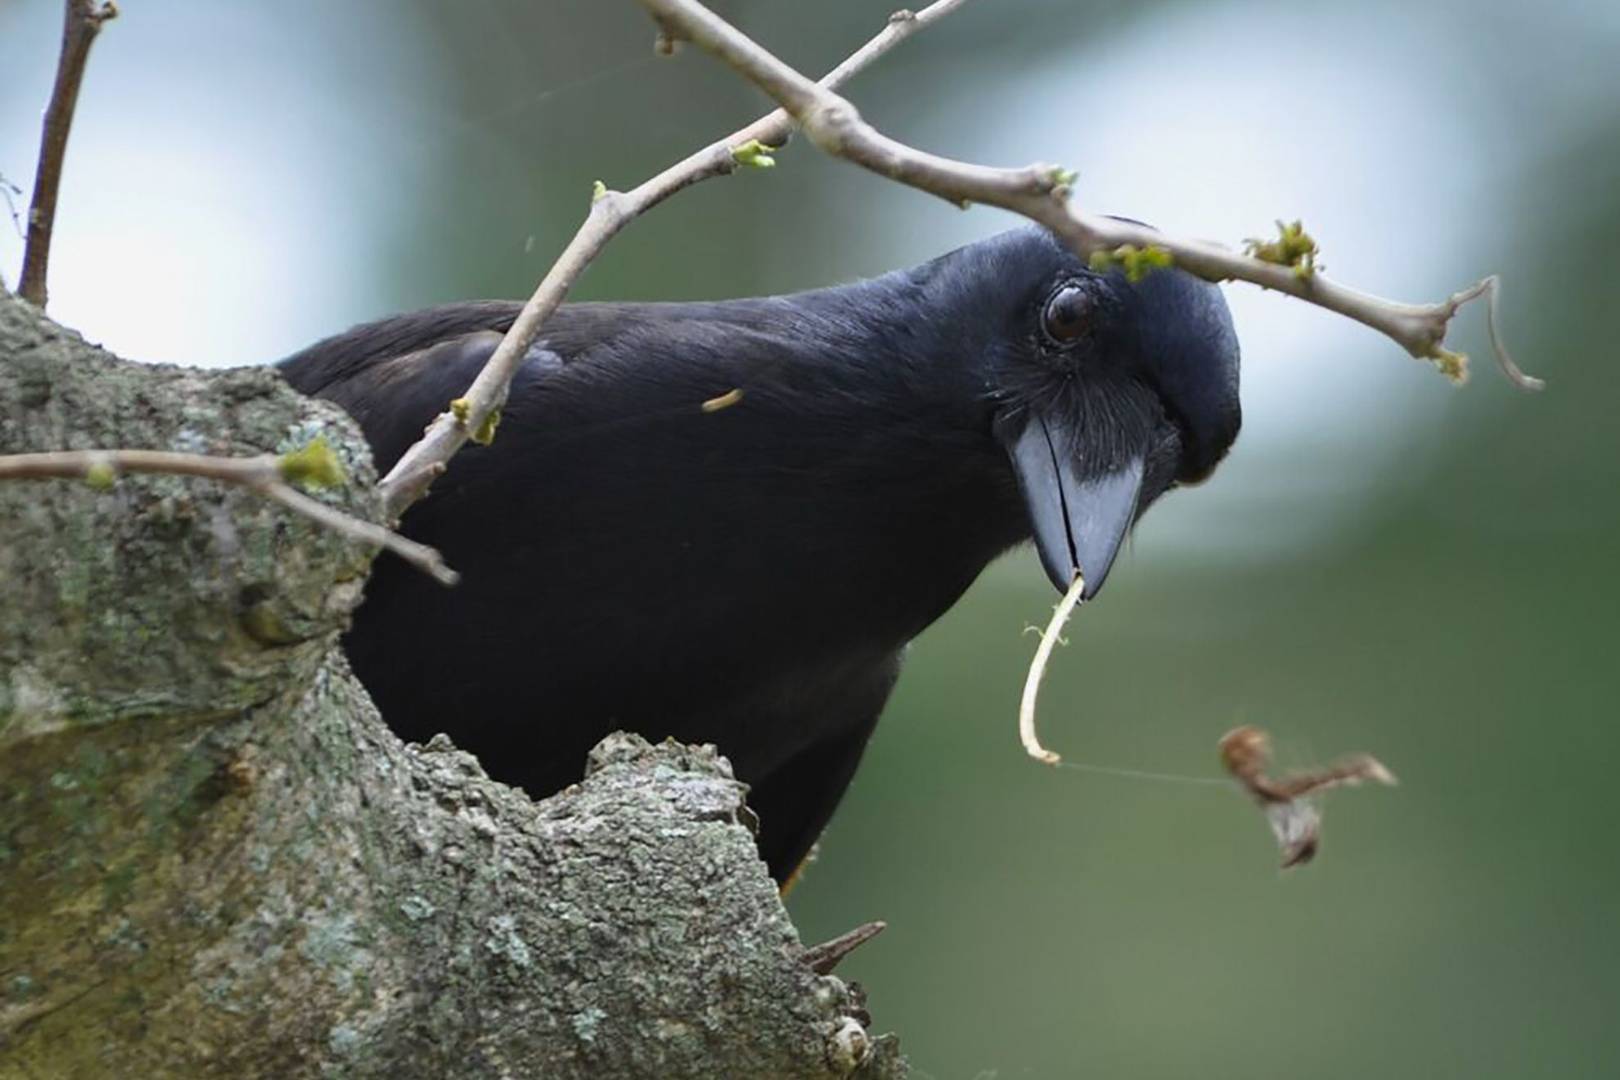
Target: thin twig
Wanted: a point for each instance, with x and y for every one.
(1040, 192)
(81, 22)
(610, 212)
(1037, 671)
(1491, 288)
(265, 474)
(9, 192)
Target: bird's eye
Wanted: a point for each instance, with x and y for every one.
(1067, 313)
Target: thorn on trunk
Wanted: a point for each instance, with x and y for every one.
(824, 957)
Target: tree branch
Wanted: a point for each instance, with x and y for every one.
(81, 22)
(266, 474)
(479, 409)
(1040, 192)
(218, 861)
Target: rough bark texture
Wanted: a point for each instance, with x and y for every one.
(216, 860)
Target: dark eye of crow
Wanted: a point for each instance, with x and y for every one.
(1067, 313)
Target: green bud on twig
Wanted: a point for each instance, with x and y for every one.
(1137, 262)
(754, 154)
(1293, 247)
(484, 434)
(101, 476)
(486, 431)
(598, 190)
(315, 465)
(1453, 365)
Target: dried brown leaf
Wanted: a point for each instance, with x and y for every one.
(1295, 820)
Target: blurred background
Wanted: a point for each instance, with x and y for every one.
(1385, 563)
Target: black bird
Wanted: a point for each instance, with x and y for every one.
(750, 575)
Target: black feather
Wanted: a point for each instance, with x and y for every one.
(748, 576)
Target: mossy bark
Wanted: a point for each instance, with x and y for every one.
(215, 860)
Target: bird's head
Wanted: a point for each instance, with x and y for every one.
(1104, 393)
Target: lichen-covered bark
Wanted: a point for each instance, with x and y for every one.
(215, 860)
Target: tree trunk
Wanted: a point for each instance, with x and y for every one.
(215, 859)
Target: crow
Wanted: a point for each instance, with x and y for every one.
(724, 521)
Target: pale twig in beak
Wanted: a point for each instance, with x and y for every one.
(1037, 670)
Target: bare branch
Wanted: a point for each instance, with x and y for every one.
(1040, 192)
(9, 192)
(610, 212)
(81, 22)
(266, 474)
(1491, 287)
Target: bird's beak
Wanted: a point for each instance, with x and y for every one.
(1079, 523)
